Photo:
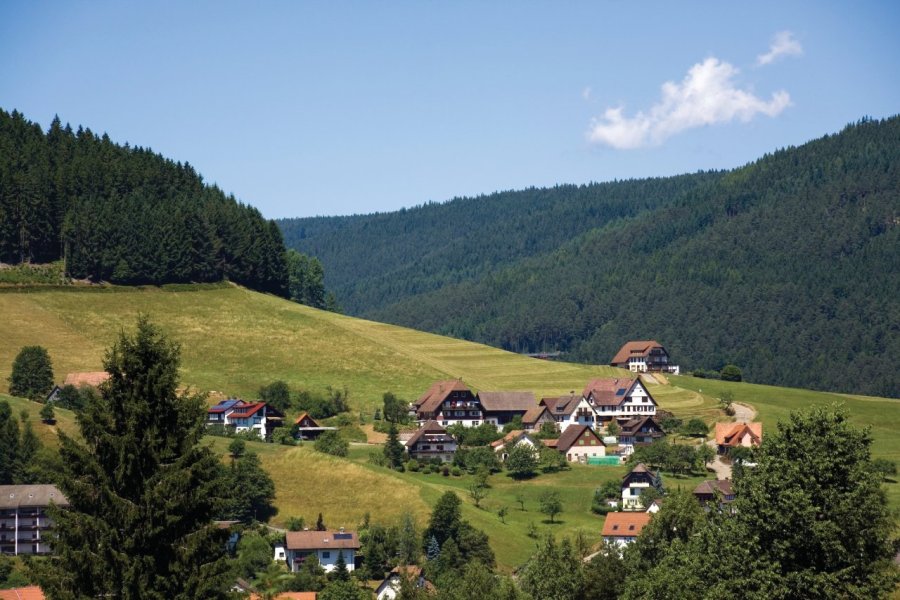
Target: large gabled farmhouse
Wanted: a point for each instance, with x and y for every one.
(643, 356)
(570, 410)
(500, 408)
(617, 398)
(448, 402)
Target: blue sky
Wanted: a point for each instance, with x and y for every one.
(333, 108)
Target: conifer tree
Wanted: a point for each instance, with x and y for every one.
(141, 489)
(393, 449)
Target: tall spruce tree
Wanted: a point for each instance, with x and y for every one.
(141, 489)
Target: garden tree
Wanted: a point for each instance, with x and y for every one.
(142, 490)
(476, 581)
(9, 445)
(482, 435)
(237, 447)
(253, 554)
(271, 581)
(320, 523)
(394, 409)
(477, 459)
(704, 455)
(612, 428)
(654, 455)
(32, 373)
(548, 431)
(502, 512)
(393, 449)
(551, 505)
(885, 468)
(515, 424)
(610, 490)
(669, 423)
(522, 461)
(295, 523)
(445, 519)
(478, 492)
(29, 446)
(520, 498)
(648, 495)
(331, 442)
(340, 572)
(552, 460)
(73, 398)
(695, 427)
(47, 413)
(604, 574)
(277, 394)
(306, 277)
(252, 490)
(816, 509)
(446, 525)
(680, 458)
(406, 540)
(731, 373)
(553, 572)
(343, 590)
(310, 577)
(725, 400)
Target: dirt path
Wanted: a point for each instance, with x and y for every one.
(743, 413)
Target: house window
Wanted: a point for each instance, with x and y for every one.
(326, 554)
(475, 423)
(445, 423)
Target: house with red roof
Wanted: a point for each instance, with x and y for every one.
(517, 437)
(731, 435)
(325, 545)
(622, 528)
(644, 356)
(448, 402)
(239, 416)
(86, 379)
(306, 428)
(571, 410)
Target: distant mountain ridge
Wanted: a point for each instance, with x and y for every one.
(788, 267)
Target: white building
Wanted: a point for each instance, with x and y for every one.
(325, 545)
(618, 398)
(25, 527)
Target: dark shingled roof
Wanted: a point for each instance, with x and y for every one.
(635, 348)
(571, 435)
(431, 400)
(13, 496)
(509, 401)
(315, 540)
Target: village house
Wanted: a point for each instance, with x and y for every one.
(622, 528)
(617, 398)
(501, 408)
(516, 437)
(238, 416)
(714, 492)
(731, 435)
(535, 418)
(639, 479)
(449, 403)
(25, 527)
(325, 545)
(306, 428)
(91, 379)
(580, 442)
(390, 587)
(644, 356)
(639, 431)
(570, 410)
(430, 441)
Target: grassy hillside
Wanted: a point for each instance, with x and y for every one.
(786, 267)
(234, 339)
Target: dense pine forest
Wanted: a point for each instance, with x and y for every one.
(788, 267)
(125, 214)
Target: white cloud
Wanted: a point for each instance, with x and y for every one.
(706, 96)
(586, 93)
(783, 44)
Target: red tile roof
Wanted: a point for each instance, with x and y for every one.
(606, 390)
(315, 540)
(247, 410)
(625, 524)
(32, 592)
(730, 434)
(533, 414)
(430, 427)
(304, 415)
(91, 378)
(634, 348)
(710, 487)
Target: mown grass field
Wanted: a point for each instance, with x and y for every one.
(234, 340)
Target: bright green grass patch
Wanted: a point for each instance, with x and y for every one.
(47, 434)
(46, 274)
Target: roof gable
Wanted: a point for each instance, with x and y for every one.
(311, 421)
(625, 524)
(640, 348)
(431, 400)
(730, 434)
(573, 433)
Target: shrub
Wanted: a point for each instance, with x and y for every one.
(412, 466)
(456, 471)
(331, 442)
(445, 470)
(731, 373)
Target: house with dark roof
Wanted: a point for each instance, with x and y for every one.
(237, 416)
(580, 442)
(715, 492)
(25, 527)
(430, 441)
(448, 402)
(535, 418)
(570, 410)
(644, 356)
(325, 545)
(731, 435)
(619, 398)
(306, 428)
(500, 408)
(633, 483)
(639, 431)
(622, 528)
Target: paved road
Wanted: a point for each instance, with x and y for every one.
(742, 414)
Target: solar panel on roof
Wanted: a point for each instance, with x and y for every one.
(620, 392)
(343, 536)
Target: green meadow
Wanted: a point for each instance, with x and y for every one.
(235, 340)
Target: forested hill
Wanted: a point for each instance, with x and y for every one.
(125, 215)
(788, 267)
